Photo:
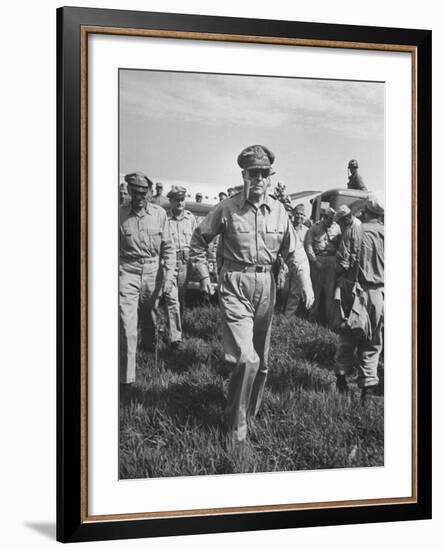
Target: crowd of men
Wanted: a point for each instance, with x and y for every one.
(334, 274)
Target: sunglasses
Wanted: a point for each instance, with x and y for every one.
(255, 172)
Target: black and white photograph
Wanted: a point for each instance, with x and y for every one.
(251, 273)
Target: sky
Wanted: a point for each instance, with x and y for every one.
(188, 128)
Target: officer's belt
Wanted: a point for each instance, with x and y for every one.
(140, 259)
(238, 266)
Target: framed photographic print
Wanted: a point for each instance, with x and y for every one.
(232, 354)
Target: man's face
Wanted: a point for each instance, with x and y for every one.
(198, 198)
(327, 220)
(177, 205)
(159, 189)
(299, 217)
(258, 180)
(138, 197)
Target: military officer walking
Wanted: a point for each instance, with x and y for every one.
(321, 243)
(255, 229)
(182, 224)
(145, 240)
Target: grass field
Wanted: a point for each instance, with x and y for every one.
(170, 420)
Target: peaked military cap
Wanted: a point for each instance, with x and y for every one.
(138, 179)
(177, 192)
(342, 211)
(255, 156)
(352, 164)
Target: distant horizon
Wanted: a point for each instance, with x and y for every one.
(188, 129)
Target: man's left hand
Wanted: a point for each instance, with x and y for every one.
(308, 296)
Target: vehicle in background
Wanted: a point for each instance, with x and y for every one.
(334, 198)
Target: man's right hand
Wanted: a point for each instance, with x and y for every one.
(205, 285)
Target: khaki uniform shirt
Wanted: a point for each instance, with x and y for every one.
(301, 231)
(182, 228)
(251, 236)
(322, 241)
(146, 234)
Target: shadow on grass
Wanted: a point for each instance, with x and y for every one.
(182, 402)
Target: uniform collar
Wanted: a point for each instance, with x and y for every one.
(267, 201)
(184, 214)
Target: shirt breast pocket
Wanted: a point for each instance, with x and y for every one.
(153, 236)
(127, 238)
(274, 235)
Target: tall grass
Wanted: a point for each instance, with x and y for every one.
(170, 420)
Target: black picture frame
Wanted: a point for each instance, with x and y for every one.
(72, 523)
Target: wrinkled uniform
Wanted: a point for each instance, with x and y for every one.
(292, 289)
(355, 181)
(362, 251)
(182, 227)
(252, 237)
(160, 200)
(321, 245)
(144, 240)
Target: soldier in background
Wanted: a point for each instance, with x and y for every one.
(124, 197)
(291, 291)
(321, 244)
(231, 191)
(222, 196)
(145, 242)
(198, 197)
(355, 181)
(362, 291)
(182, 224)
(159, 198)
(255, 229)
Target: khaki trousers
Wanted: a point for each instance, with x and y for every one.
(247, 305)
(175, 301)
(368, 353)
(140, 284)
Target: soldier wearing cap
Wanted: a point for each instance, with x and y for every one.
(222, 196)
(231, 191)
(291, 290)
(182, 224)
(145, 242)
(355, 181)
(347, 249)
(255, 229)
(198, 197)
(321, 244)
(363, 280)
(159, 198)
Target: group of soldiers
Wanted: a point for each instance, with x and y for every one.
(337, 260)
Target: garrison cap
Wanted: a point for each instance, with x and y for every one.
(342, 211)
(139, 180)
(352, 164)
(299, 208)
(255, 156)
(177, 192)
(374, 206)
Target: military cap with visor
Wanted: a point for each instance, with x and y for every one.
(352, 164)
(177, 192)
(342, 212)
(256, 156)
(374, 206)
(138, 181)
